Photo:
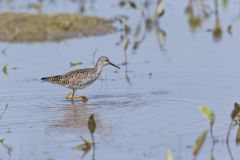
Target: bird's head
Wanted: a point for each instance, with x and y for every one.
(103, 61)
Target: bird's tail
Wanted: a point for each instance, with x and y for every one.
(53, 79)
(44, 78)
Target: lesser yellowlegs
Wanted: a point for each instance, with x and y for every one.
(79, 78)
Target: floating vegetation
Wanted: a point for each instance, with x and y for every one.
(199, 143)
(91, 124)
(5, 69)
(160, 8)
(133, 5)
(75, 63)
(235, 121)
(20, 27)
(209, 114)
(126, 44)
(1, 139)
(236, 114)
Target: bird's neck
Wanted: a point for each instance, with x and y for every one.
(98, 67)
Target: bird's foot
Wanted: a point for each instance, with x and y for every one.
(84, 98)
(69, 97)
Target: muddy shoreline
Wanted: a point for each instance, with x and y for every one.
(21, 27)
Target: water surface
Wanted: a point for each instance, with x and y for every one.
(137, 118)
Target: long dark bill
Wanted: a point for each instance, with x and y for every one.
(114, 65)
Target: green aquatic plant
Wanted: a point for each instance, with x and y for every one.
(86, 146)
(1, 139)
(225, 3)
(199, 142)
(235, 115)
(169, 153)
(126, 44)
(160, 8)
(133, 36)
(5, 69)
(238, 136)
(92, 127)
(217, 31)
(209, 114)
(133, 4)
(91, 124)
(195, 22)
(194, 19)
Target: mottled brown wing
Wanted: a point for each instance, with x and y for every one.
(79, 78)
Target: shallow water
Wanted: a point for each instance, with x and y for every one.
(139, 119)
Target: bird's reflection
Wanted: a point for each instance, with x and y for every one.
(74, 119)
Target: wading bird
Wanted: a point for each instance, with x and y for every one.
(79, 78)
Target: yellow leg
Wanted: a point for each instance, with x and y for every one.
(71, 96)
(83, 98)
